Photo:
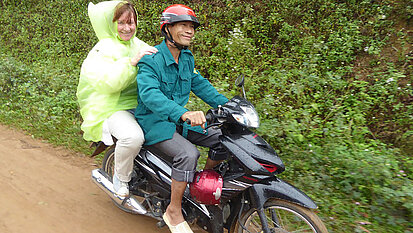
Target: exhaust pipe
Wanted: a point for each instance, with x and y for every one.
(129, 204)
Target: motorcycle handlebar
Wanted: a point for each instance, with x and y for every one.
(218, 113)
(209, 119)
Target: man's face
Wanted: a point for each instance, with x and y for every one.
(182, 32)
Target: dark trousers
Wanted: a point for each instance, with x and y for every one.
(185, 154)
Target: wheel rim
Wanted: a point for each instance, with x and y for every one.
(280, 220)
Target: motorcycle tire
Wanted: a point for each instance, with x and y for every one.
(282, 217)
(108, 165)
(108, 162)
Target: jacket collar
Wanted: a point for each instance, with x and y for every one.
(169, 60)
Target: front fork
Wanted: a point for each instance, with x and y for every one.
(264, 221)
(261, 214)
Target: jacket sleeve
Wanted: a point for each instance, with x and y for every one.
(152, 96)
(202, 88)
(107, 72)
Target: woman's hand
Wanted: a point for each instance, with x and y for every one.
(196, 118)
(145, 51)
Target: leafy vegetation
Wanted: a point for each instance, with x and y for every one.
(331, 80)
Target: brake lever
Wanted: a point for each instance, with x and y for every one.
(212, 125)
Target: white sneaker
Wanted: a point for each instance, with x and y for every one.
(121, 188)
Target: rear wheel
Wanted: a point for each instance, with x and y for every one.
(282, 217)
(108, 163)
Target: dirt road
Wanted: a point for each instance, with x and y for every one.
(46, 189)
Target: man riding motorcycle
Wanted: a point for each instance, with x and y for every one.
(165, 80)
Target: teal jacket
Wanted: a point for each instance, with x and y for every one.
(164, 87)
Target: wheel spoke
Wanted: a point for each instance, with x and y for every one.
(274, 218)
(286, 219)
(283, 218)
(255, 224)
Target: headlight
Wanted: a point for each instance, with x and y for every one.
(249, 117)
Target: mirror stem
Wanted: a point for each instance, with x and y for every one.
(243, 92)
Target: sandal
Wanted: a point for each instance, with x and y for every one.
(182, 227)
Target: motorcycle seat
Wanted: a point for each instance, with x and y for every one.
(158, 153)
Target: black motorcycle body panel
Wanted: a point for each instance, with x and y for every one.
(250, 149)
(158, 171)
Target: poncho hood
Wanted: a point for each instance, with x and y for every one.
(101, 16)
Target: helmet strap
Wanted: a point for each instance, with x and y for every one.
(168, 36)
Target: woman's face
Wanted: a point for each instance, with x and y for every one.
(126, 26)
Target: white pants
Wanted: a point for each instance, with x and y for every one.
(123, 126)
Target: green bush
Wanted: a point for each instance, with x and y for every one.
(330, 79)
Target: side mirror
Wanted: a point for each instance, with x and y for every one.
(240, 80)
(240, 83)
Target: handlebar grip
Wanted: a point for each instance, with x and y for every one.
(188, 121)
(209, 118)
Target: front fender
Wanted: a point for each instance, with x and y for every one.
(277, 188)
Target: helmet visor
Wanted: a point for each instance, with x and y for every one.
(172, 18)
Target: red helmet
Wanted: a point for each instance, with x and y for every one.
(178, 13)
(207, 187)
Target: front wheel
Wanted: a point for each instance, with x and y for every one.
(282, 217)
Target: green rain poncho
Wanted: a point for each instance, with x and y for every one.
(107, 81)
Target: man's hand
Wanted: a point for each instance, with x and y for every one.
(196, 118)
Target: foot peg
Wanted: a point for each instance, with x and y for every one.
(161, 224)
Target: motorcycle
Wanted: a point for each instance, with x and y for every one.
(252, 199)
